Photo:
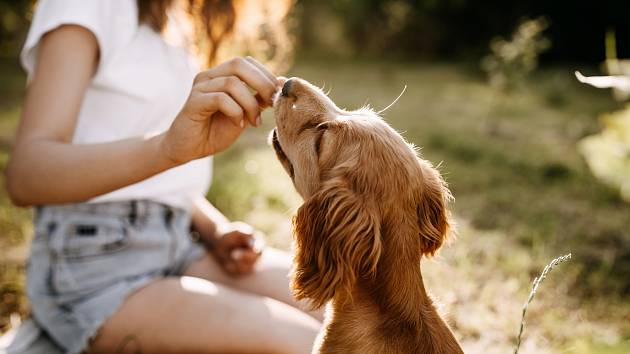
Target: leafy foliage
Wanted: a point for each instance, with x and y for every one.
(429, 29)
(14, 19)
(608, 153)
(512, 60)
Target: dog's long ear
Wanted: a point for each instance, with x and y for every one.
(433, 215)
(337, 241)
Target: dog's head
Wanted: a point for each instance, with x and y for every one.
(361, 182)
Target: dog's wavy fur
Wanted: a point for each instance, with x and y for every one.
(372, 209)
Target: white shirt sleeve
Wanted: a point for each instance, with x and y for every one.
(111, 21)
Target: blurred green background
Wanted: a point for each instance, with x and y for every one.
(492, 97)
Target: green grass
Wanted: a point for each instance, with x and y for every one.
(587, 348)
(511, 160)
(15, 224)
(523, 195)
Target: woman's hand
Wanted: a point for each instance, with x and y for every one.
(237, 247)
(221, 104)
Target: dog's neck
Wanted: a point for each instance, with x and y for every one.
(394, 305)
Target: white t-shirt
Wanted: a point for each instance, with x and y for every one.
(140, 85)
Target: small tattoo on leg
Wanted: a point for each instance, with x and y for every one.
(129, 345)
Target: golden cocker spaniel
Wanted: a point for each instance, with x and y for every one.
(372, 209)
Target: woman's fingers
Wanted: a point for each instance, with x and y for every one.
(222, 102)
(244, 257)
(233, 86)
(281, 80)
(243, 260)
(258, 243)
(262, 69)
(244, 70)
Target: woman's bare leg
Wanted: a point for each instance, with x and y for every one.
(193, 315)
(269, 279)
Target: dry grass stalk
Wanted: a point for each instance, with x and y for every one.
(535, 285)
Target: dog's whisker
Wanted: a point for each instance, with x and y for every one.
(393, 103)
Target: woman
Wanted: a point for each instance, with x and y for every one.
(113, 148)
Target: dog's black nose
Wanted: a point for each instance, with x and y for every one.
(287, 87)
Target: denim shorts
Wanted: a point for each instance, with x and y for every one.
(87, 258)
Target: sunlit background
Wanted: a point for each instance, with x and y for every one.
(539, 163)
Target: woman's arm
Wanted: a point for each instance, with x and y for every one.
(208, 221)
(236, 246)
(46, 168)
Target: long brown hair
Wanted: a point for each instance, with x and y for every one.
(223, 28)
